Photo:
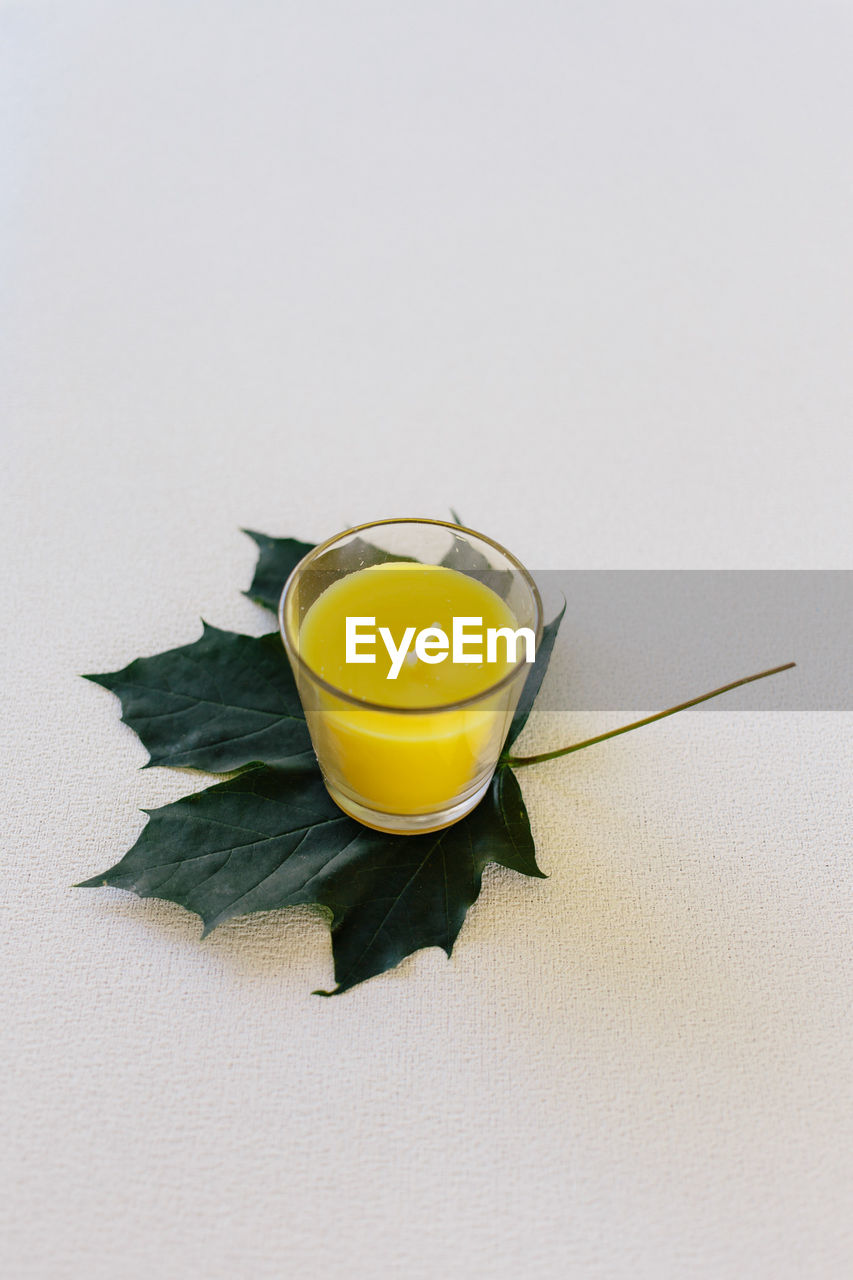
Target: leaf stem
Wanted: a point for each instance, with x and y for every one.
(518, 761)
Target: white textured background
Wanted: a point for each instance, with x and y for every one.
(583, 271)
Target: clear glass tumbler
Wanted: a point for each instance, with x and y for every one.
(413, 763)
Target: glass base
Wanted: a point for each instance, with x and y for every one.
(407, 824)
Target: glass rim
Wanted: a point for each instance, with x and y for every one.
(366, 705)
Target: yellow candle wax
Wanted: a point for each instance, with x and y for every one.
(422, 760)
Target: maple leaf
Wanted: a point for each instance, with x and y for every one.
(220, 703)
(277, 558)
(274, 838)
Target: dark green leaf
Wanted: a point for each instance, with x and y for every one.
(394, 895)
(277, 559)
(535, 678)
(273, 838)
(508, 832)
(217, 704)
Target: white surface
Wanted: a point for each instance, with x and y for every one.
(583, 272)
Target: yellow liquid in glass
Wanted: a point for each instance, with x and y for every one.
(427, 759)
